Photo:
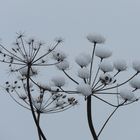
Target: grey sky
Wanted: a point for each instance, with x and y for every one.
(117, 20)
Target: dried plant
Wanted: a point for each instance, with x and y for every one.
(104, 80)
(24, 61)
(93, 81)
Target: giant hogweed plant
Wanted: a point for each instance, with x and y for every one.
(27, 57)
(24, 61)
(102, 81)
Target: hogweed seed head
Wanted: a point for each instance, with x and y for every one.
(84, 89)
(127, 94)
(136, 65)
(96, 38)
(63, 65)
(58, 81)
(84, 73)
(135, 83)
(120, 65)
(106, 66)
(59, 55)
(106, 79)
(83, 59)
(102, 52)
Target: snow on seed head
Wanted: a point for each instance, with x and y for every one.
(58, 81)
(135, 83)
(120, 65)
(63, 65)
(103, 53)
(84, 73)
(96, 38)
(107, 79)
(136, 65)
(83, 59)
(58, 55)
(106, 66)
(84, 89)
(127, 94)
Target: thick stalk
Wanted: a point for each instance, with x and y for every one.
(31, 105)
(89, 117)
(38, 120)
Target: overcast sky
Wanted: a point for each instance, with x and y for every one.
(117, 20)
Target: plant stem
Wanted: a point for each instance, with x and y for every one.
(89, 117)
(38, 120)
(107, 120)
(91, 65)
(111, 116)
(31, 105)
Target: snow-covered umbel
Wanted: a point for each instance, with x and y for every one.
(63, 65)
(44, 86)
(59, 55)
(103, 52)
(120, 65)
(106, 66)
(106, 79)
(136, 65)
(96, 38)
(84, 89)
(84, 73)
(24, 71)
(58, 81)
(83, 59)
(127, 94)
(135, 83)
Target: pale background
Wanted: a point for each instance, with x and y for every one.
(117, 20)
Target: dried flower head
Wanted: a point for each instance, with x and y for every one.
(63, 65)
(103, 53)
(59, 55)
(106, 66)
(84, 73)
(106, 79)
(24, 71)
(58, 81)
(127, 94)
(83, 59)
(96, 38)
(135, 83)
(136, 65)
(120, 65)
(84, 89)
